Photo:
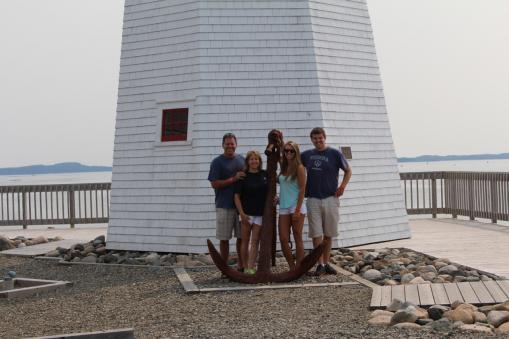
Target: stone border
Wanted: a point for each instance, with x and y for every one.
(35, 286)
(455, 263)
(191, 288)
(124, 333)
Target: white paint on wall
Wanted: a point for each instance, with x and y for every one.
(245, 67)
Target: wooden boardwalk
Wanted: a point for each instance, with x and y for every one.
(476, 293)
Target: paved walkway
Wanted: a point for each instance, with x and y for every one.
(41, 249)
(478, 245)
(80, 234)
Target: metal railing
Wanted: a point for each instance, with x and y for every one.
(471, 194)
(54, 204)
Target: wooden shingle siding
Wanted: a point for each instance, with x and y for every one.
(360, 219)
(246, 66)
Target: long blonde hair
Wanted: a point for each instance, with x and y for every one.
(285, 166)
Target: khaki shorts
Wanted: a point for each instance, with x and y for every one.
(323, 217)
(227, 220)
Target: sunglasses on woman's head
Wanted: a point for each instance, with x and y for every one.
(289, 151)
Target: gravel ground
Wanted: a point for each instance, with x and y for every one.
(153, 302)
(207, 277)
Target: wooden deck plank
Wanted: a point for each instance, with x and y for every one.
(439, 294)
(453, 293)
(412, 294)
(398, 292)
(425, 294)
(386, 296)
(376, 297)
(186, 280)
(482, 293)
(504, 286)
(468, 293)
(495, 291)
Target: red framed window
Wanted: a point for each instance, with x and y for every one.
(174, 127)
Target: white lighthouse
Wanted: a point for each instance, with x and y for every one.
(192, 70)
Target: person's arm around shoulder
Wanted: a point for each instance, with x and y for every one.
(217, 183)
(301, 181)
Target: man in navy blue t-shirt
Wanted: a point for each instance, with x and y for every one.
(225, 171)
(322, 191)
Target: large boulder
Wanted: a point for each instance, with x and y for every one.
(406, 315)
(372, 275)
(153, 259)
(427, 269)
(449, 269)
(380, 320)
(502, 307)
(441, 325)
(436, 312)
(497, 318)
(406, 278)
(480, 317)
(53, 254)
(476, 328)
(39, 240)
(463, 315)
(418, 280)
(6, 244)
(412, 326)
(503, 329)
(99, 240)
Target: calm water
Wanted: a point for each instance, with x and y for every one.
(74, 178)
(465, 165)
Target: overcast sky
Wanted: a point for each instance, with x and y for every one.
(444, 66)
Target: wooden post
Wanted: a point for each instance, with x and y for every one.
(434, 196)
(71, 207)
(454, 205)
(494, 199)
(24, 209)
(470, 193)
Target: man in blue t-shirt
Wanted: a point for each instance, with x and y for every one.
(225, 171)
(322, 191)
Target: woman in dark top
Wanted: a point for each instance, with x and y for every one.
(250, 194)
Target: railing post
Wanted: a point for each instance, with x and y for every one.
(24, 208)
(454, 195)
(72, 208)
(470, 192)
(494, 199)
(434, 195)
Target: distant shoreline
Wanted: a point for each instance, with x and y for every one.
(76, 167)
(428, 158)
(65, 167)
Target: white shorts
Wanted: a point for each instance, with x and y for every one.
(291, 210)
(255, 219)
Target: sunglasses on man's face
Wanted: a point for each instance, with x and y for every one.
(289, 151)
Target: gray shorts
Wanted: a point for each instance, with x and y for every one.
(227, 220)
(323, 217)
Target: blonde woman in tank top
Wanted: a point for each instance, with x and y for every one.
(292, 210)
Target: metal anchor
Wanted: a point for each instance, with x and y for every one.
(267, 237)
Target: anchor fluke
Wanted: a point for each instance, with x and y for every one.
(264, 277)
